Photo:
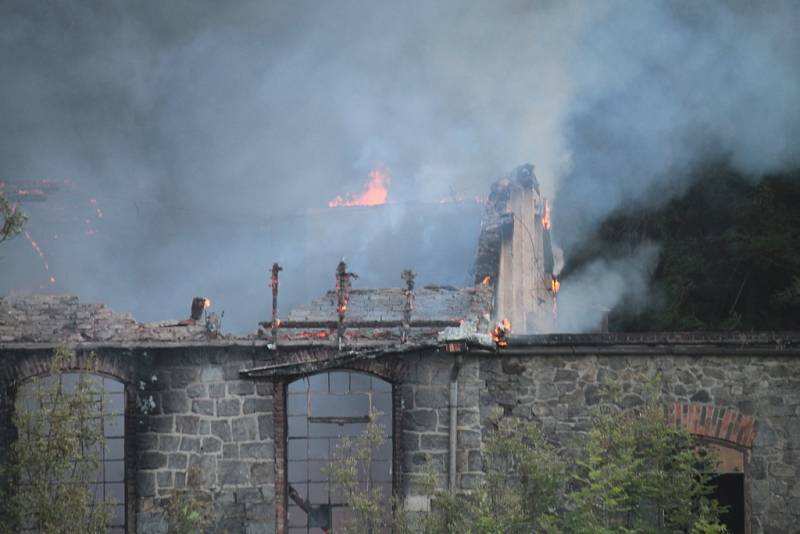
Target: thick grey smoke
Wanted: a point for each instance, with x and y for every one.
(213, 134)
(661, 87)
(593, 292)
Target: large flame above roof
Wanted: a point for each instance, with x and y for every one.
(377, 189)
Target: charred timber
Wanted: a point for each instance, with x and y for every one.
(408, 276)
(437, 323)
(276, 269)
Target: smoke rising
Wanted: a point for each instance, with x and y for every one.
(595, 290)
(212, 135)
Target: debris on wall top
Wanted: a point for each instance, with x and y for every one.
(386, 315)
(62, 318)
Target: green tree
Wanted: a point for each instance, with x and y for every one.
(520, 493)
(639, 473)
(349, 469)
(730, 255)
(635, 473)
(55, 457)
(521, 490)
(13, 219)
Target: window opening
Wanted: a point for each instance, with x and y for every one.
(320, 409)
(729, 487)
(729, 492)
(110, 482)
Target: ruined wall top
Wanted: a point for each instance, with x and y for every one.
(430, 302)
(62, 318)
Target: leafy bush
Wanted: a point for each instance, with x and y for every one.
(13, 219)
(188, 508)
(636, 473)
(54, 459)
(640, 473)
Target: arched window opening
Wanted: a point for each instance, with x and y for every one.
(320, 409)
(729, 486)
(107, 484)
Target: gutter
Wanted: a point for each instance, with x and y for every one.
(454, 421)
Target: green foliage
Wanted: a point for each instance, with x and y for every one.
(54, 459)
(521, 489)
(188, 509)
(13, 219)
(730, 254)
(524, 478)
(349, 469)
(640, 473)
(636, 473)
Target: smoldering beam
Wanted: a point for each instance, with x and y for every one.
(432, 323)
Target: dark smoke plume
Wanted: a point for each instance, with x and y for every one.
(212, 135)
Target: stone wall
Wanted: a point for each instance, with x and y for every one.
(206, 417)
(560, 391)
(426, 418)
(53, 318)
(211, 413)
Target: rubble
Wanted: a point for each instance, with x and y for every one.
(384, 315)
(63, 319)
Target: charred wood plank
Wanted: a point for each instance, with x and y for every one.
(421, 323)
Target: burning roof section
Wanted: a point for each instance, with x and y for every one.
(515, 255)
(376, 317)
(513, 286)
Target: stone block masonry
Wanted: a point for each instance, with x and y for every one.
(748, 402)
(219, 407)
(207, 418)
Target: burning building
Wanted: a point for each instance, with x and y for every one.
(259, 415)
(515, 253)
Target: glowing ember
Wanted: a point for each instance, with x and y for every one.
(500, 333)
(40, 252)
(555, 285)
(487, 280)
(546, 215)
(206, 304)
(322, 334)
(375, 194)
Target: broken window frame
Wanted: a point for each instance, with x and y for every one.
(112, 388)
(391, 403)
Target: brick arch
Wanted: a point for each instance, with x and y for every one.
(388, 369)
(714, 422)
(26, 366)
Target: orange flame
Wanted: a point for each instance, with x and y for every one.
(487, 280)
(546, 215)
(322, 334)
(206, 304)
(375, 194)
(500, 333)
(555, 285)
